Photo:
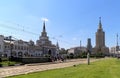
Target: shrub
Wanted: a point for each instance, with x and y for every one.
(0, 65)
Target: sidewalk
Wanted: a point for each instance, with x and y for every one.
(28, 68)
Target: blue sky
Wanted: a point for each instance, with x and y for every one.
(69, 21)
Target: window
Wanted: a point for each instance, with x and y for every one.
(18, 47)
(8, 46)
(5, 47)
(24, 48)
(21, 47)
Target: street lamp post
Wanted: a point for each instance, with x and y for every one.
(88, 58)
(89, 50)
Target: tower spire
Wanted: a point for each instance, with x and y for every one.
(100, 24)
(44, 33)
(44, 29)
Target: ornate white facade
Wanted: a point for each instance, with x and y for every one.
(19, 48)
(16, 48)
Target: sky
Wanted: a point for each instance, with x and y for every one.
(67, 21)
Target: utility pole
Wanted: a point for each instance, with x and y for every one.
(80, 46)
(11, 46)
(89, 50)
(9, 38)
(117, 46)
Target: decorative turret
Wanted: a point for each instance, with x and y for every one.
(43, 39)
(57, 45)
(57, 48)
(44, 33)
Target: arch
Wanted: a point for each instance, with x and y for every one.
(20, 54)
(14, 53)
(49, 52)
(5, 55)
(26, 54)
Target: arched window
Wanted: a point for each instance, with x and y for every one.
(20, 54)
(26, 54)
(49, 52)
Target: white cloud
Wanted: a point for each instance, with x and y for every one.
(44, 19)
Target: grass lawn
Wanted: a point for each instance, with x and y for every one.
(108, 68)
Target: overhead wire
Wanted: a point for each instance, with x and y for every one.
(29, 32)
